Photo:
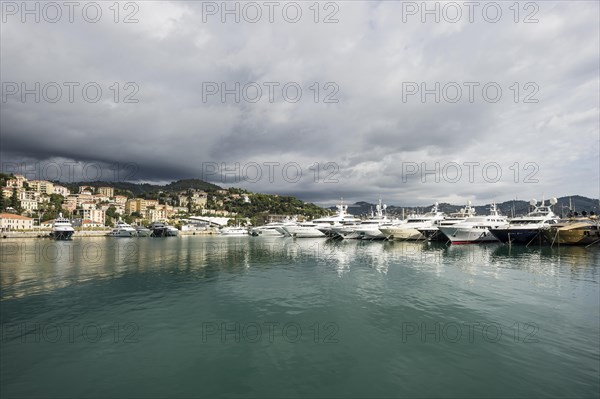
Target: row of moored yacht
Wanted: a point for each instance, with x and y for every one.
(62, 229)
(458, 228)
(156, 229)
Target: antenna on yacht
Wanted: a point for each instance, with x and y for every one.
(532, 203)
(570, 205)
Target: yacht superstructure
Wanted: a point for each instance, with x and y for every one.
(62, 229)
(410, 229)
(321, 227)
(475, 229)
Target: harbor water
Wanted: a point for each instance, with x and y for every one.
(280, 317)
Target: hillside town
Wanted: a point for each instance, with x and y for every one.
(32, 204)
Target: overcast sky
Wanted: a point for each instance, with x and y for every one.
(368, 126)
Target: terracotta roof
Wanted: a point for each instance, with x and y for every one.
(13, 216)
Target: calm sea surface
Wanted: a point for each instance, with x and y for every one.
(257, 317)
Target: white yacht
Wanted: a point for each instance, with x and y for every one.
(321, 227)
(171, 231)
(62, 229)
(475, 229)
(160, 229)
(234, 231)
(368, 229)
(143, 231)
(123, 229)
(433, 233)
(272, 229)
(523, 229)
(410, 229)
(304, 230)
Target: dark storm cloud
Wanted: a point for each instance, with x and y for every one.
(373, 134)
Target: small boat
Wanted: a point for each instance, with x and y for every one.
(62, 229)
(574, 231)
(143, 231)
(158, 229)
(172, 231)
(123, 229)
(163, 230)
(524, 229)
(476, 229)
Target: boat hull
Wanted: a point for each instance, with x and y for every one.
(266, 233)
(434, 235)
(458, 235)
(123, 233)
(572, 237)
(159, 232)
(144, 232)
(62, 235)
(303, 232)
(402, 234)
(373, 234)
(516, 236)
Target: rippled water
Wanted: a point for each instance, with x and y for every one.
(258, 317)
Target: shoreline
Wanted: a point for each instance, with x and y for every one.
(45, 234)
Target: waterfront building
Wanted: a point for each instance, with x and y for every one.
(9, 221)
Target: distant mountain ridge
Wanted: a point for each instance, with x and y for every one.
(516, 207)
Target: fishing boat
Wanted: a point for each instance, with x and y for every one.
(524, 229)
(62, 229)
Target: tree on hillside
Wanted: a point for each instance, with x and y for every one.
(190, 205)
(14, 201)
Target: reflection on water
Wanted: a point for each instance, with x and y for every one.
(30, 267)
(167, 291)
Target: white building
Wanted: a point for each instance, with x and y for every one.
(9, 221)
(29, 205)
(61, 190)
(95, 215)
